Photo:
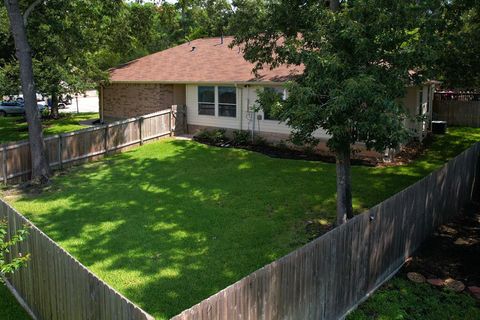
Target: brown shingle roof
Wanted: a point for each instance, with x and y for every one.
(210, 61)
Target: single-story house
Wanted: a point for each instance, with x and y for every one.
(217, 87)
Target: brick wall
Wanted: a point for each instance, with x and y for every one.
(131, 100)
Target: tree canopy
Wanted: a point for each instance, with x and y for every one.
(357, 62)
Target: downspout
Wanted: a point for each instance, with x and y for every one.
(241, 108)
(252, 113)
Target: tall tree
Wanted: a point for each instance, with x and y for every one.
(40, 167)
(458, 43)
(64, 35)
(357, 60)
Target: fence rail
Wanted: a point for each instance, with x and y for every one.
(54, 285)
(457, 96)
(65, 149)
(330, 275)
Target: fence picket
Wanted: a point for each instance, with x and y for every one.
(85, 144)
(56, 286)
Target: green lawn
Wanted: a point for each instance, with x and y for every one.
(401, 299)
(9, 307)
(16, 128)
(172, 222)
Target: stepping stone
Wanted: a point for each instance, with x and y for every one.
(475, 292)
(454, 285)
(416, 277)
(436, 282)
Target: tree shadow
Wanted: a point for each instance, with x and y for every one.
(173, 222)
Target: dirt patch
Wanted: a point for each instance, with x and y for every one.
(453, 251)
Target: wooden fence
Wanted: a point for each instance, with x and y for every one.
(56, 286)
(457, 96)
(329, 276)
(69, 148)
(457, 112)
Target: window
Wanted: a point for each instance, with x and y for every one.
(211, 98)
(278, 94)
(206, 100)
(227, 102)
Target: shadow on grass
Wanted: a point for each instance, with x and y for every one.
(172, 223)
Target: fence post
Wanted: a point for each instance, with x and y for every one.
(4, 164)
(140, 125)
(170, 119)
(105, 147)
(60, 151)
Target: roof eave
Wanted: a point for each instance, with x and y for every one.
(238, 82)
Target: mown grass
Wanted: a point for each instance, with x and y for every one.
(9, 307)
(401, 299)
(173, 222)
(16, 128)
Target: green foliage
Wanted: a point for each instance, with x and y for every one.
(457, 30)
(9, 80)
(63, 44)
(357, 64)
(241, 138)
(218, 135)
(215, 136)
(9, 267)
(209, 216)
(270, 101)
(402, 299)
(74, 43)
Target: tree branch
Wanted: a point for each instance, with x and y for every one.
(29, 10)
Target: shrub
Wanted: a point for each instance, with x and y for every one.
(202, 135)
(259, 141)
(216, 136)
(282, 145)
(5, 247)
(241, 138)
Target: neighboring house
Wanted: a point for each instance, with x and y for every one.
(218, 88)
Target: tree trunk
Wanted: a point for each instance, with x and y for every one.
(334, 5)
(344, 186)
(54, 110)
(40, 168)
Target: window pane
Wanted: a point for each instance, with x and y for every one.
(227, 95)
(206, 109)
(227, 110)
(206, 94)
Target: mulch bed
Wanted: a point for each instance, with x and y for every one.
(453, 251)
(409, 152)
(290, 153)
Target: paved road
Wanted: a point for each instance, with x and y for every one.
(85, 104)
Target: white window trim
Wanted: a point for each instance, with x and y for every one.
(217, 112)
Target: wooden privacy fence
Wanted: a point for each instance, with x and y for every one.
(68, 148)
(329, 276)
(56, 286)
(457, 112)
